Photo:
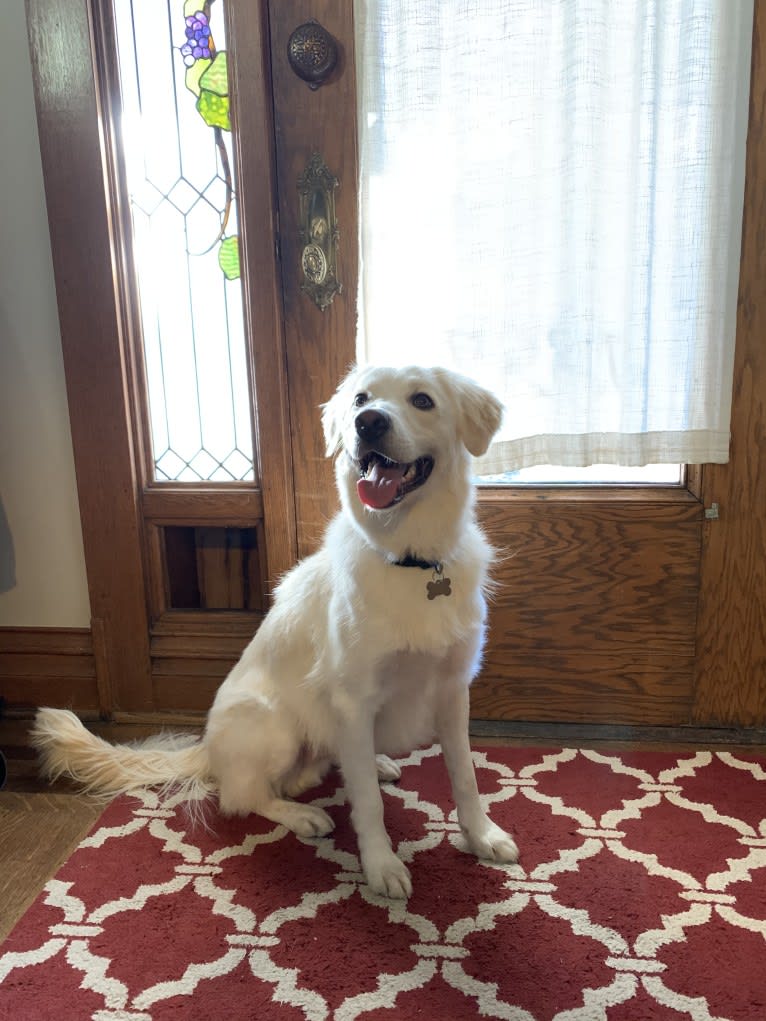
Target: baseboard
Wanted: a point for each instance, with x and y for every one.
(578, 733)
(47, 666)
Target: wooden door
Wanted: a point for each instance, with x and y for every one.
(612, 604)
(618, 606)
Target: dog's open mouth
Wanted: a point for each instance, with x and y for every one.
(383, 483)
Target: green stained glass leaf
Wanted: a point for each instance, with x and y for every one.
(191, 7)
(214, 110)
(216, 77)
(195, 72)
(228, 258)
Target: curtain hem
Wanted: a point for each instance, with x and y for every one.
(701, 446)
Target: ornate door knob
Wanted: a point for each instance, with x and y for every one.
(312, 53)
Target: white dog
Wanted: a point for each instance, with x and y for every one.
(371, 643)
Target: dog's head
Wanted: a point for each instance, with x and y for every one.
(403, 435)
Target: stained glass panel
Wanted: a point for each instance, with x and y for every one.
(176, 138)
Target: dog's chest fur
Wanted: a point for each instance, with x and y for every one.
(404, 619)
(390, 603)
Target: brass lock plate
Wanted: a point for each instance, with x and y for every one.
(318, 232)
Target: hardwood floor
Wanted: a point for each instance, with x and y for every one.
(41, 824)
(38, 832)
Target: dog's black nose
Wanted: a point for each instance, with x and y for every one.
(371, 425)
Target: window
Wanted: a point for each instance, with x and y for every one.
(176, 141)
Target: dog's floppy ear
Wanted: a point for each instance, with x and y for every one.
(332, 415)
(331, 424)
(480, 413)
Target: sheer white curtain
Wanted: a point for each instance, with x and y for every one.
(551, 202)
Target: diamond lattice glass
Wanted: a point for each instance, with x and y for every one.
(175, 138)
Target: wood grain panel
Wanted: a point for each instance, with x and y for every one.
(51, 665)
(197, 505)
(582, 577)
(594, 613)
(320, 345)
(187, 670)
(604, 688)
(58, 641)
(184, 668)
(200, 647)
(47, 666)
(186, 692)
(731, 662)
(228, 569)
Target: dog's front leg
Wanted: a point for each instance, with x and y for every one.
(485, 838)
(385, 873)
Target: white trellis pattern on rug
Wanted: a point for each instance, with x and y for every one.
(640, 894)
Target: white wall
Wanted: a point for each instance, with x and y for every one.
(37, 483)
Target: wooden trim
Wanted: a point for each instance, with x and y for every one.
(107, 75)
(192, 718)
(694, 477)
(47, 666)
(579, 495)
(103, 680)
(200, 622)
(253, 135)
(202, 646)
(157, 572)
(66, 641)
(575, 734)
(320, 344)
(677, 512)
(203, 505)
(731, 629)
(92, 339)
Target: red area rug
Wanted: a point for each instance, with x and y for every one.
(641, 894)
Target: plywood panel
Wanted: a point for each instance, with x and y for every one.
(594, 613)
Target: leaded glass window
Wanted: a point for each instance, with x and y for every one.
(176, 138)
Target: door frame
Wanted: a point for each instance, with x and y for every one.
(121, 508)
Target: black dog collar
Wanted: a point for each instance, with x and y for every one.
(439, 585)
(424, 565)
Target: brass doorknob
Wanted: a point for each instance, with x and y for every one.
(312, 53)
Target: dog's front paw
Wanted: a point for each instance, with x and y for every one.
(388, 876)
(493, 844)
(307, 820)
(388, 770)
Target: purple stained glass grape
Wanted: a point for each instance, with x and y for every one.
(198, 36)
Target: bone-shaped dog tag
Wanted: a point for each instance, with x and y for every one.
(440, 586)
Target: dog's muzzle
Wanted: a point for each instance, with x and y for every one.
(383, 482)
(371, 425)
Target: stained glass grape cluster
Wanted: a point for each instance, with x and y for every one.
(198, 36)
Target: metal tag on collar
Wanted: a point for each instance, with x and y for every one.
(440, 585)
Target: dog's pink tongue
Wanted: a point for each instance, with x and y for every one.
(380, 487)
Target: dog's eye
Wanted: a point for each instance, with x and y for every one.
(422, 401)
(360, 400)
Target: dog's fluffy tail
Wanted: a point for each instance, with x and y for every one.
(176, 763)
